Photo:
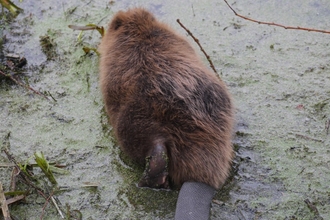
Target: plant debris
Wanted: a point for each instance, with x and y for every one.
(23, 174)
(12, 8)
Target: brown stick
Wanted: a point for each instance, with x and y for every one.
(15, 199)
(45, 205)
(275, 24)
(23, 85)
(3, 204)
(51, 197)
(15, 172)
(200, 46)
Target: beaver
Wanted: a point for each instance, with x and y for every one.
(169, 112)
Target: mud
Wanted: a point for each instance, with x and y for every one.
(279, 79)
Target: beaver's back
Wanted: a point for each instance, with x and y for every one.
(156, 90)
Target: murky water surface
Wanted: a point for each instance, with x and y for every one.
(280, 81)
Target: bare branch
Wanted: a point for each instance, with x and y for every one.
(278, 25)
(23, 85)
(197, 42)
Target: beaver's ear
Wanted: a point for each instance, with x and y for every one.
(117, 21)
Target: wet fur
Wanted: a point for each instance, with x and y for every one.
(158, 92)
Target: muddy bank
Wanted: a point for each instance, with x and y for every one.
(279, 79)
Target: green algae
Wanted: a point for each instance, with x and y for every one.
(279, 80)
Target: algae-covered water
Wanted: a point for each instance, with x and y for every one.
(279, 79)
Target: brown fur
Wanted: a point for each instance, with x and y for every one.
(157, 92)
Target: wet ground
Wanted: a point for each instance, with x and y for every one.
(280, 81)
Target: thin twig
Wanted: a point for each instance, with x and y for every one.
(50, 197)
(58, 209)
(192, 7)
(44, 207)
(23, 85)
(200, 46)
(278, 25)
(7, 165)
(312, 207)
(307, 138)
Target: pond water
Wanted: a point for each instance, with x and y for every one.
(279, 79)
